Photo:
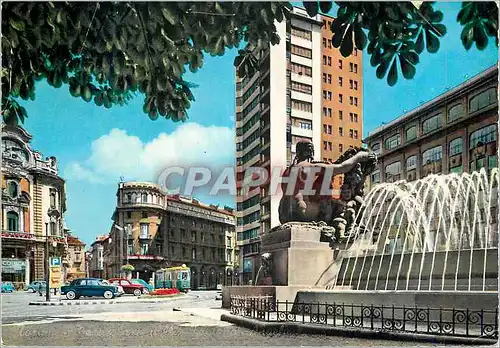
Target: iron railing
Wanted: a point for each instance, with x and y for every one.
(417, 320)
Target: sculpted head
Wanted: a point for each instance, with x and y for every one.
(305, 150)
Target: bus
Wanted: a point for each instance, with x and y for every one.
(174, 278)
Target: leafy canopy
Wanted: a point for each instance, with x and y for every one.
(108, 51)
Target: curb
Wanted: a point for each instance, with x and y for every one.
(315, 329)
(94, 302)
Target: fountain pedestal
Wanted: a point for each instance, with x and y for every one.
(299, 262)
(298, 257)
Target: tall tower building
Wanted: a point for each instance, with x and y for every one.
(293, 97)
(342, 100)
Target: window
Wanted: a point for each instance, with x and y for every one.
(355, 68)
(329, 78)
(305, 34)
(129, 198)
(324, 77)
(130, 249)
(324, 59)
(482, 100)
(355, 51)
(341, 131)
(356, 117)
(411, 162)
(144, 249)
(392, 142)
(355, 134)
(325, 144)
(341, 148)
(351, 67)
(340, 115)
(376, 148)
(340, 81)
(53, 229)
(340, 64)
(351, 84)
(329, 112)
(13, 190)
(329, 95)
(301, 51)
(492, 162)
(305, 125)
(330, 146)
(375, 177)
(52, 198)
(324, 112)
(456, 112)
(356, 101)
(144, 230)
(351, 133)
(393, 171)
(351, 100)
(128, 229)
(483, 135)
(456, 170)
(324, 128)
(340, 98)
(301, 87)
(434, 154)
(129, 214)
(329, 129)
(411, 133)
(329, 61)
(144, 198)
(329, 43)
(300, 69)
(12, 221)
(432, 123)
(455, 146)
(302, 106)
(324, 42)
(356, 85)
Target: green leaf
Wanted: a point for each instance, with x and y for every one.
(87, 94)
(17, 24)
(419, 44)
(311, 7)
(347, 44)
(382, 69)
(168, 14)
(480, 37)
(407, 68)
(325, 6)
(467, 36)
(392, 77)
(432, 42)
(360, 37)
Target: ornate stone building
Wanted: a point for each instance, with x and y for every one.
(75, 263)
(33, 203)
(152, 230)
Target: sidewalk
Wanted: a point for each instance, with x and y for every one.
(59, 301)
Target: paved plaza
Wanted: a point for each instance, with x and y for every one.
(195, 321)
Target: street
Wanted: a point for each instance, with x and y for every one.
(142, 324)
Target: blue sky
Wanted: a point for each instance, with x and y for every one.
(95, 146)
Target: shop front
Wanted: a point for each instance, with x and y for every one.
(15, 271)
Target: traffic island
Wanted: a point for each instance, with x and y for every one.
(149, 299)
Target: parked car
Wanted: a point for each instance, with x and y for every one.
(35, 286)
(89, 287)
(8, 287)
(129, 287)
(120, 289)
(142, 282)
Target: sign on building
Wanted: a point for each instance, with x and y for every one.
(13, 266)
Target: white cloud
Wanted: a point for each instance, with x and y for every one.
(119, 154)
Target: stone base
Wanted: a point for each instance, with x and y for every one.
(278, 293)
(473, 300)
(298, 256)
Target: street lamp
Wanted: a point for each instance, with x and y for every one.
(47, 264)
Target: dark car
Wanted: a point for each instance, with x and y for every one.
(129, 287)
(89, 287)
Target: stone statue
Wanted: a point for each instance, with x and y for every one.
(310, 198)
(266, 263)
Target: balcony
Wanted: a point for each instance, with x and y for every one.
(302, 132)
(17, 235)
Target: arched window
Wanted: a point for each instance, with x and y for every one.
(393, 171)
(376, 148)
(144, 198)
(483, 99)
(129, 198)
(12, 221)
(434, 154)
(411, 162)
(411, 133)
(432, 123)
(456, 146)
(456, 112)
(483, 135)
(13, 189)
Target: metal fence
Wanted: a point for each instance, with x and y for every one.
(435, 321)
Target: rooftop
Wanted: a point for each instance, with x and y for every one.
(193, 201)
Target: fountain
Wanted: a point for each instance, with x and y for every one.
(435, 239)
